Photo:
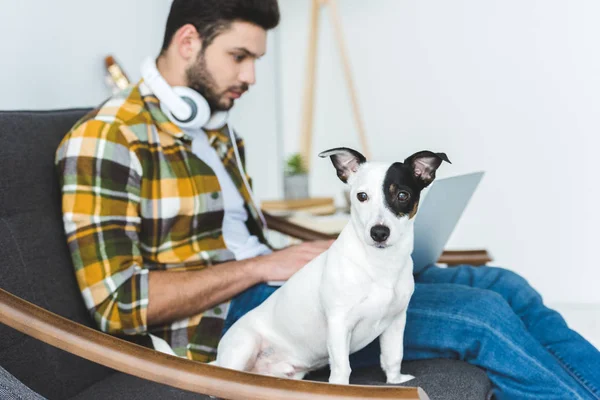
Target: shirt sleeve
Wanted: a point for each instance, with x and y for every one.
(100, 179)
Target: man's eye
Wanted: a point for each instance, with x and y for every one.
(238, 57)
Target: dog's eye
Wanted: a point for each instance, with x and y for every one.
(362, 197)
(403, 197)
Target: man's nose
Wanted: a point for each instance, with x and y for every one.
(248, 74)
(380, 233)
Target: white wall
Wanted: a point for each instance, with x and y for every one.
(52, 56)
(510, 87)
(53, 52)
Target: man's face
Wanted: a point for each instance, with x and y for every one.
(225, 69)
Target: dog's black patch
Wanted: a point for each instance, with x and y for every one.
(424, 164)
(399, 179)
(404, 181)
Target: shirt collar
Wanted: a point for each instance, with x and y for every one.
(161, 120)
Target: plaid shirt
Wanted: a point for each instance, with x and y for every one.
(136, 199)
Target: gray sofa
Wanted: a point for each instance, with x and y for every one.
(35, 266)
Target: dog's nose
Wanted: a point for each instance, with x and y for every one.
(380, 233)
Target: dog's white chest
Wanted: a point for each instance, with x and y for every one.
(374, 313)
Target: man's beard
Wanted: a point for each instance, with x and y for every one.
(203, 82)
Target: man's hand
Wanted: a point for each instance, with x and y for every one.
(282, 264)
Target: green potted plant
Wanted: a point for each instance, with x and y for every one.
(295, 184)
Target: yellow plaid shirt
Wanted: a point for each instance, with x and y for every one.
(136, 199)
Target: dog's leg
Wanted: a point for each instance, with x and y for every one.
(392, 350)
(238, 350)
(338, 346)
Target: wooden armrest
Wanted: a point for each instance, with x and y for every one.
(178, 372)
(296, 231)
(470, 257)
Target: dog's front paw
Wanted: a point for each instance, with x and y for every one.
(399, 378)
(339, 379)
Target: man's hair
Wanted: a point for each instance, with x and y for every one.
(212, 17)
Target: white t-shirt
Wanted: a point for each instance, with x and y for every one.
(235, 232)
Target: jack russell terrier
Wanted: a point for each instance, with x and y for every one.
(352, 293)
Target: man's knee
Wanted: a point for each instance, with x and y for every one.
(511, 279)
(515, 289)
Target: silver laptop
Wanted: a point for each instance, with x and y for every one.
(441, 207)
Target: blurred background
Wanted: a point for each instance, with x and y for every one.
(509, 87)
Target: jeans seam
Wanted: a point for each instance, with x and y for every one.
(575, 376)
(501, 336)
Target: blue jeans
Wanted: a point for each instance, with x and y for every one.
(12, 388)
(489, 317)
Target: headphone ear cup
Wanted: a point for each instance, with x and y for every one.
(200, 108)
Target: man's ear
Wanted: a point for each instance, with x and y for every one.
(424, 164)
(346, 161)
(188, 42)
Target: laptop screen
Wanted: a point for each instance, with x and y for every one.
(439, 211)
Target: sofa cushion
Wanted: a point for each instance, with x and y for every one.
(28, 140)
(35, 262)
(440, 378)
(119, 386)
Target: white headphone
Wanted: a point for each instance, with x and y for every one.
(188, 109)
(183, 106)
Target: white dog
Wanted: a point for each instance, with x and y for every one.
(351, 294)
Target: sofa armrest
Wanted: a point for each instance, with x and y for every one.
(184, 374)
(471, 257)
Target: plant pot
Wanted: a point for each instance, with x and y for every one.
(295, 186)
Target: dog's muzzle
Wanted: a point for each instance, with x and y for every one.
(380, 233)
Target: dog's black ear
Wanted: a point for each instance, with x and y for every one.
(424, 164)
(346, 161)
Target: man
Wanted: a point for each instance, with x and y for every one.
(164, 233)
